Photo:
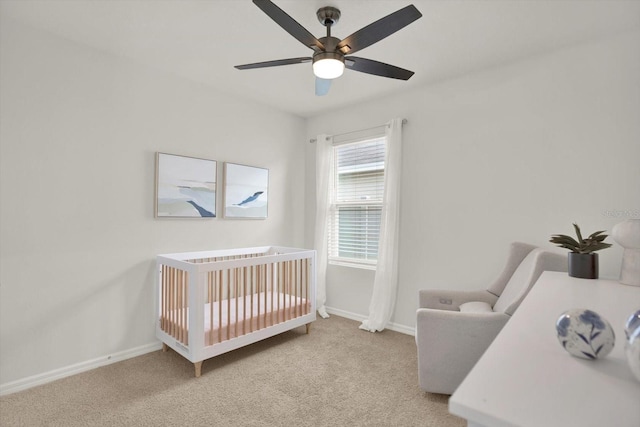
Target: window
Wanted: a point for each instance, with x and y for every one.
(356, 202)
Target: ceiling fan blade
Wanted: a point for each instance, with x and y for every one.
(370, 66)
(378, 30)
(322, 86)
(273, 63)
(289, 24)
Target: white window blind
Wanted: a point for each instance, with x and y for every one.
(356, 202)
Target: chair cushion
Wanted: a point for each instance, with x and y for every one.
(475, 307)
(519, 282)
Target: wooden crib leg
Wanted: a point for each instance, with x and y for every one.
(165, 348)
(308, 325)
(198, 366)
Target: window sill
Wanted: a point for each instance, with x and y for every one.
(353, 264)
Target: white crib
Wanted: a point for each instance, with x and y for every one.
(212, 302)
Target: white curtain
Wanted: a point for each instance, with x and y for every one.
(324, 164)
(386, 279)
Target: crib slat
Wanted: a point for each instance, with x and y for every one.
(303, 281)
(162, 297)
(244, 300)
(258, 295)
(251, 300)
(303, 275)
(300, 286)
(264, 289)
(185, 304)
(236, 297)
(281, 269)
(304, 286)
(228, 304)
(292, 268)
(163, 293)
(295, 288)
(294, 277)
(287, 272)
(307, 283)
(178, 302)
(167, 272)
(172, 302)
(178, 306)
(291, 276)
(211, 302)
(270, 275)
(219, 284)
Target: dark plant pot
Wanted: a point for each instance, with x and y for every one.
(583, 266)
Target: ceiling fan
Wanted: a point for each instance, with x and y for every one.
(330, 53)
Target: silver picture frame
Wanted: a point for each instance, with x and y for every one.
(186, 187)
(246, 191)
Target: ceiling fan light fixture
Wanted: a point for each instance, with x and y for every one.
(328, 65)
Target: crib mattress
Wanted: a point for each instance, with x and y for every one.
(234, 317)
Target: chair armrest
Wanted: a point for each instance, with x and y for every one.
(450, 343)
(450, 300)
(457, 326)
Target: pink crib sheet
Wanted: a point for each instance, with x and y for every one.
(260, 313)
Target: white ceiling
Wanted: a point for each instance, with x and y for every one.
(203, 39)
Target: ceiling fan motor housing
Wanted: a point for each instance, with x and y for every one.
(328, 55)
(333, 60)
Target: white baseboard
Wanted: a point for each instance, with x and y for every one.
(359, 317)
(56, 374)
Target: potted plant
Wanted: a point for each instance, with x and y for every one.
(583, 261)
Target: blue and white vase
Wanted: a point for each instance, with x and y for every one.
(586, 334)
(632, 345)
(632, 323)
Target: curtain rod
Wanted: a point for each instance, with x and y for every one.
(404, 122)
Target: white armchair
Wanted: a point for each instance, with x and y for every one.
(454, 328)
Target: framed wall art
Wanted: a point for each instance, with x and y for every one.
(185, 187)
(246, 191)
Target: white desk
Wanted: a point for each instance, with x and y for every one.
(526, 378)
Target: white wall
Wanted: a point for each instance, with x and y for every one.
(79, 133)
(517, 152)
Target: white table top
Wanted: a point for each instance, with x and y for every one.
(526, 378)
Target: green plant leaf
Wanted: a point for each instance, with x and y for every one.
(597, 234)
(575, 226)
(595, 241)
(565, 241)
(598, 247)
(561, 238)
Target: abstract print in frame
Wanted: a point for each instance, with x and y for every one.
(185, 187)
(245, 191)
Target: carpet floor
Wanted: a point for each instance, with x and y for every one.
(338, 375)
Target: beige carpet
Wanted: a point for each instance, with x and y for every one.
(337, 375)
